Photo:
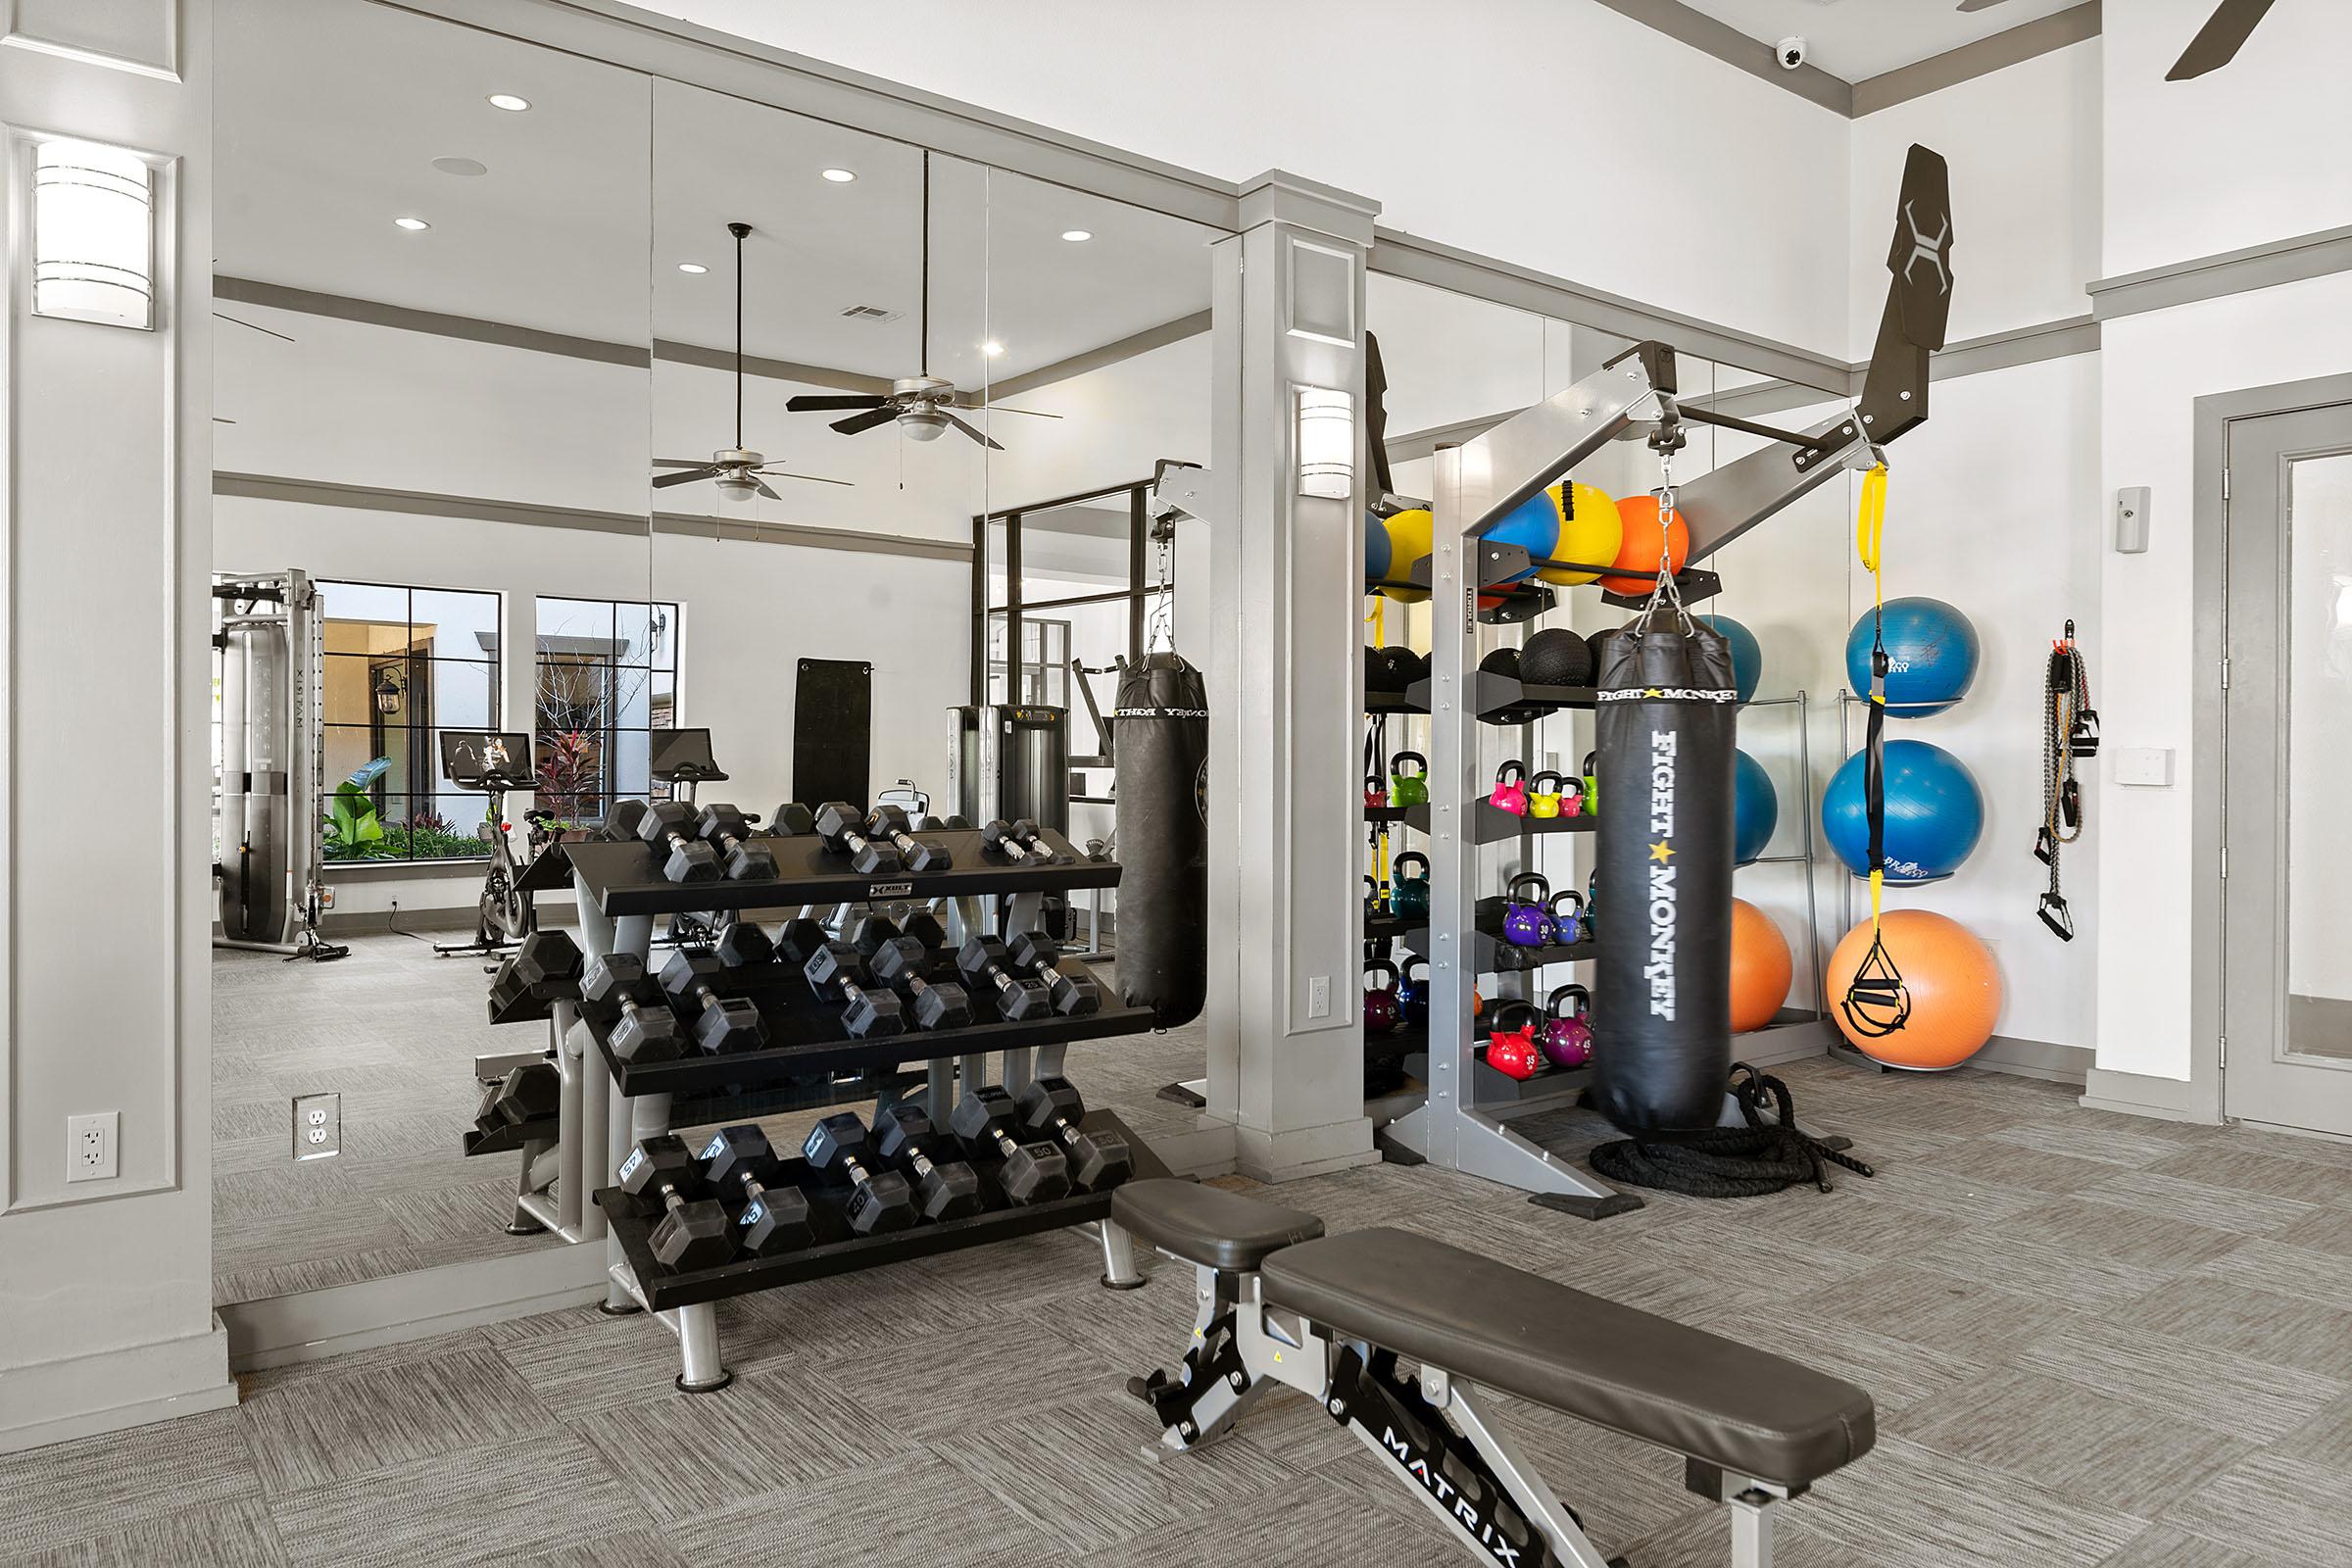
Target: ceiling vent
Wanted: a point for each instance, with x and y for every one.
(872, 313)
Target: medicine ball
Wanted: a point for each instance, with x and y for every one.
(1589, 529)
(1402, 667)
(1644, 541)
(1935, 812)
(1755, 809)
(1408, 542)
(1501, 662)
(1932, 652)
(1376, 669)
(1747, 656)
(1556, 656)
(1534, 526)
(1376, 551)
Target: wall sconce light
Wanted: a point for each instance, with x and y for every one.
(387, 692)
(1326, 443)
(93, 234)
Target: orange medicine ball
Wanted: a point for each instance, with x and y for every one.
(1644, 542)
(1949, 976)
(1761, 967)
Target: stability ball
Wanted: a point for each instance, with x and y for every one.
(1755, 809)
(1534, 526)
(1408, 542)
(1954, 987)
(1935, 812)
(1748, 654)
(1642, 541)
(1761, 967)
(1376, 549)
(1589, 529)
(1930, 655)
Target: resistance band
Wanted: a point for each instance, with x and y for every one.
(1875, 1002)
(2069, 728)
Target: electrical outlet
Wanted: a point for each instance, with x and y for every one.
(1318, 996)
(90, 1143)
(317, 1126)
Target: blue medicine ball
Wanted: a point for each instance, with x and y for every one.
(1747, 656)
(1376, 549)
(1755, 808)
(1934, 813)
(1930, 655)
(1534, 526)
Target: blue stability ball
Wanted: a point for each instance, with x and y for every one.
(1747, 656)
(1755, 809)
(1376, 549)
(1930, 655)
(1934, 813)
(1534, 526)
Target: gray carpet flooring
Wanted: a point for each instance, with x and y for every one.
(2094, 1341)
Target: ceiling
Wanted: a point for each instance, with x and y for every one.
(611, 180)
(1857, 39)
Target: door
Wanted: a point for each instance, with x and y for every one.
(2286, 910)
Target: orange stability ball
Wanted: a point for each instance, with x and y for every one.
(1955, 990)
(1643, 541)
(1761, 967)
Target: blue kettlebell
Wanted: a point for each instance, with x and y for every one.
(1592, 905)
(1526, 923)
(1568, 925)
(1413, 995)
(1409, 896)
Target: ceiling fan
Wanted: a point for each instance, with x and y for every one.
(2215, 44)
(923, 404)
(739, 471)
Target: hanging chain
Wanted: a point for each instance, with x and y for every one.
(1159, 631)
(1666, 590)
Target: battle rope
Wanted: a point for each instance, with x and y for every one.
(1750, 1161)
(2069, 728)
(1875, 1002)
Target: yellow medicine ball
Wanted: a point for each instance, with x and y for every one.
(1589, 530)
(1408, 542)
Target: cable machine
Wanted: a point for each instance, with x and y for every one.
(271, 648)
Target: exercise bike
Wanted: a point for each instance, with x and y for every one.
(496, 763)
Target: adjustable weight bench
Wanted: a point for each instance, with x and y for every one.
(1278, 1301)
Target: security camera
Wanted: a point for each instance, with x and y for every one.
(1791, 52)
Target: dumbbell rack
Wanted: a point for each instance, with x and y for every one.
(621, 890)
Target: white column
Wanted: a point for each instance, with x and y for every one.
(1285, 689)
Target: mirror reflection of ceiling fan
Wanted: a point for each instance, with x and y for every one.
(740, 473)
(922, 405)
(2215, 44)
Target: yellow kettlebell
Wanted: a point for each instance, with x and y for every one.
(1544, 798)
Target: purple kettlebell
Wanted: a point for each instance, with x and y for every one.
(1526, 923)
(1382, 1013)
(1567, 1038)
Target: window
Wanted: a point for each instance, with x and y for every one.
(401, 665)
(607, 675)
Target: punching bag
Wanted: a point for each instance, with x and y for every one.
(1160, 737)
(1661, 994)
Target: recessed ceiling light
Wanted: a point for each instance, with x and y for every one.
(1077, 237)
(411, 224)
(696, 267)
(509, 102)
(465, 168)
(841, 176)
(992, 348)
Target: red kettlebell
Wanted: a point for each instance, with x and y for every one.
(1513, 1052)
(1376, 794)
(1510, 788)
(1382, 1013)
(1568, 1037)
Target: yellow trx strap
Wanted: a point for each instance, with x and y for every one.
(1875, 1002)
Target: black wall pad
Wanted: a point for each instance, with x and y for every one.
(832, 732)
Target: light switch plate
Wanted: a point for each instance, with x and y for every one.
(317, 1126)
(2148, 767)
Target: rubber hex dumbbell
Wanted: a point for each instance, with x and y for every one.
(1032, 1173)
(982, 962)
(544, 969)
(901, 962)
(671, 822)
(879, 1199)
(834, 972)
(723, 828)
(1032, 838)
(890, 822)
(721, 1024)
(1050, 1108)
(644, 1029)
(945, 1187)
(621, 823)
(792, 820)
(999, 836)
(774, 1217)
(695, 1234)
(743, 944)
(841, 825)
(1073, 989)
(527, 1094)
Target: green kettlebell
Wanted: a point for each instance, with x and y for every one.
(1409, 896)
(1592, 759)
(1408, 789)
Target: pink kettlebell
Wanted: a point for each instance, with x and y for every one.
(1568, 1039)
(1510, 788)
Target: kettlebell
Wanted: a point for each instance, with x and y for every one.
(1409, 896)
(1408, 789)
(1376, 793)
(1525, 923)
(1381, 1011)
(1372, 906)
(1592, 904)
(1568, 929)
(1591, 795)
(1413, 995)
(1572, 796)
(1510, 788)
(1512, 1050)
(1568, 1037)
(1542, 801)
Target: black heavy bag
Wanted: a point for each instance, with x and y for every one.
(1662, 993)
(1160, 737)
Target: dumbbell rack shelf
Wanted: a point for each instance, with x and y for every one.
(625, 879)
(839, 1253)
(509, 1140)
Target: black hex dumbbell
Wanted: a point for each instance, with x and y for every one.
(900, 962)
(1050, 1108)
(672, 823)
(724, 829)
(945, 1185)
(841, 825)
(890, 822)
(643, 1028)
(621, 823)
(999, 836)
(774, 1217)
(545, 968)
(529, 1092)
(879, 1199)
(835, 972)
(1073, 989)
(1032, 838)
(721, 1024)
(792, 820)
(695, 1234)
(982, 962)
(1033, 1173)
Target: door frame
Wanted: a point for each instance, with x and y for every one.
(2206, 1097)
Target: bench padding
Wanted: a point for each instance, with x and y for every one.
(1684, 1389)
(1208, 1224)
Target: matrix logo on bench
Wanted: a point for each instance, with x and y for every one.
(889, 890)
(1483, 1529)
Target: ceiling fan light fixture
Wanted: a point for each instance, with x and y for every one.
(923, 424)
